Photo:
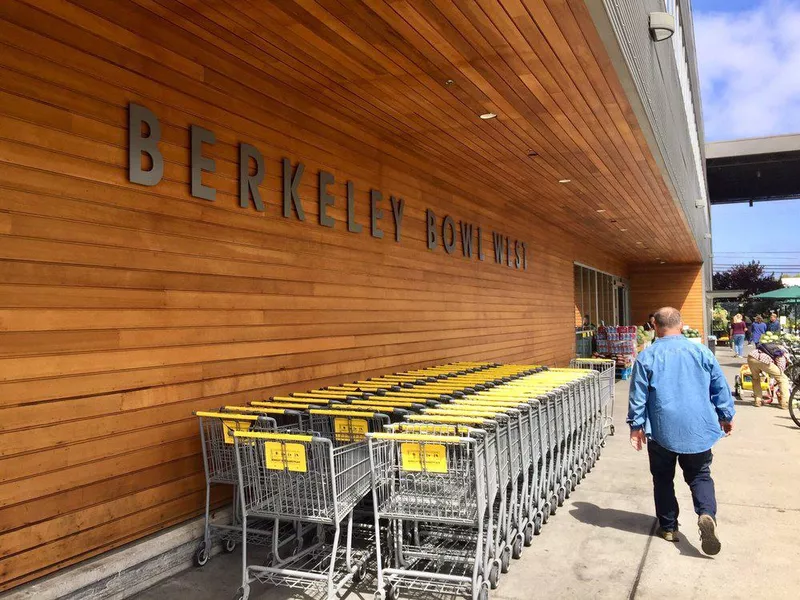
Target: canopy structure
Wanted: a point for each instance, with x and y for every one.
(788, 294)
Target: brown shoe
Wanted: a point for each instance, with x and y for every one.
(757, 403)
(670, 536)
(708, 535)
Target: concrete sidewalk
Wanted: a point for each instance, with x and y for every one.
(599, 544)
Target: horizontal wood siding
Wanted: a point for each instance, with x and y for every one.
(124, 308)
(680, 286)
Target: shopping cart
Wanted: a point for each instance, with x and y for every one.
(607, 369)
(308, 478)
(219, 461)
(441, 480)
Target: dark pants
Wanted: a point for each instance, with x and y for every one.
(696, 472)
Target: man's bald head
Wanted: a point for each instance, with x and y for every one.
(668, 321)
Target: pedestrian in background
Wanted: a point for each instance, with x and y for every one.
(680, 405)
(650, 330)
(759, 328)
(738, 329)
(774, 325)
(771, 359)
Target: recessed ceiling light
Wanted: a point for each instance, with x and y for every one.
(622, 229)
(487, 116)
(663, 262)
(601, 210)
(564, 180)
(639, 243)
(449, 82)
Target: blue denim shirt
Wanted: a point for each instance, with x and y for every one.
(679, 394)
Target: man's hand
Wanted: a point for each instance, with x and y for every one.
(727, 427)
(638, 439)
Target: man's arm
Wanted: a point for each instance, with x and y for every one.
(637, 405)
(720, 392)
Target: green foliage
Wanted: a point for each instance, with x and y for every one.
(720, 319)
(749, 277)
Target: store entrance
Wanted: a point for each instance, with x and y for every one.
(601, 300)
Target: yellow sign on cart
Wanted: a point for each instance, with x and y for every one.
(282, 456)
(350, 430)
(228, 427)
(430, 458)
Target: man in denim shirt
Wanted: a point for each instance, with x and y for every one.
(680, 405)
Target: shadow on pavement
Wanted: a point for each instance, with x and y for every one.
(624, 520)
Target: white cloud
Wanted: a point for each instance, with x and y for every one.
(750, 70)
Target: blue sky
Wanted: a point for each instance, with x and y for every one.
(748, 53)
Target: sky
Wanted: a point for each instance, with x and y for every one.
(748, 54)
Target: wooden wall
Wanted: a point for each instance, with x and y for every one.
(680, 286)
(125, 308)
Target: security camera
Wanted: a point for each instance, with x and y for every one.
(662, 26)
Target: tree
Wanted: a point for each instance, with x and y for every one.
(749, 277)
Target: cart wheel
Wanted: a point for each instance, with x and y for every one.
(530, 531)
(611, 429)
(393, 592)
(483, 594)
(505, 559)
(562, 494)
(229, 546)
(379, 595)
(554, 504)
(360, 573)
(516, 547)
(538, 521)
(494, 575)
(201, 555)
(242, 594)
(575, 480)
(546, 513)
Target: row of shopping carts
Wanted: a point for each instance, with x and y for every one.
(434, 478)
(607, 369)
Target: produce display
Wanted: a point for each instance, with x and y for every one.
(791, 341)
(691, 333)
(618, 344)
(644, 337)
(616, 340)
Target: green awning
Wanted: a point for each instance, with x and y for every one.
(788, 294)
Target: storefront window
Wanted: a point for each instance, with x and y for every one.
(600, 299)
